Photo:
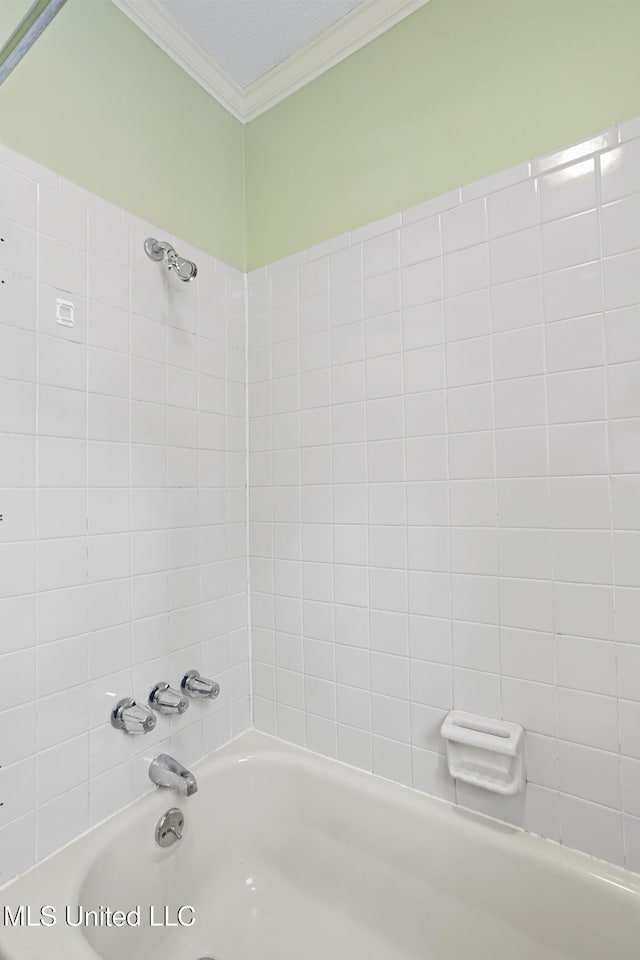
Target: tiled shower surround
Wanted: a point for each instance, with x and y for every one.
(444, 509)
(445, 500)
(122, 495)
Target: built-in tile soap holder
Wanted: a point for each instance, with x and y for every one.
(484, 752)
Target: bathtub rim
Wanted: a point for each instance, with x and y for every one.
(73, 861)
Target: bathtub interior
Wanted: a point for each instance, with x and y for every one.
(284, 858)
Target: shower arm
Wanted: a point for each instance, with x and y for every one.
(158, 250)
(162, 250)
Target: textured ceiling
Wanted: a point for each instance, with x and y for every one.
(250, 37)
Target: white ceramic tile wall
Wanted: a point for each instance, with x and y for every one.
(122, 495)
(445, 489)
(444, 434)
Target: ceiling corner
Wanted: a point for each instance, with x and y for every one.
(360, 26)
(184, 51)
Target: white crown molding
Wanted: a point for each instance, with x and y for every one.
(364, 23)
(361, 25)
(189, 55)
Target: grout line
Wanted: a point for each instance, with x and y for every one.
(495, 479)
(549, 507)
(406, 657)
(37, 531)
(623, 832)
(334, 680)
(247, 504)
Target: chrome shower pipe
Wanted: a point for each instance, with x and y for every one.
(161, 250)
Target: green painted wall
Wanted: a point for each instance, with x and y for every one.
(97, 101)
(458, 90)
(11, 13)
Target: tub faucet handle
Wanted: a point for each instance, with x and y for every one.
(196, 686)
(129, 716)
(164, 699)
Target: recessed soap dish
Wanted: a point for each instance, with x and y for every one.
(486, 753)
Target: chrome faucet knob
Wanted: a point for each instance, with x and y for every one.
(196, 686)
(164, 699)
(127, 715)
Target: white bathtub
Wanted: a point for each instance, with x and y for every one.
(287, 856)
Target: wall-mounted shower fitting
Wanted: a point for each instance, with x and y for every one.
(196, 686)
(161, 250)
(164, 699)
(129, 716)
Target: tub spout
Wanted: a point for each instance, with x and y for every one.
(167, 772)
